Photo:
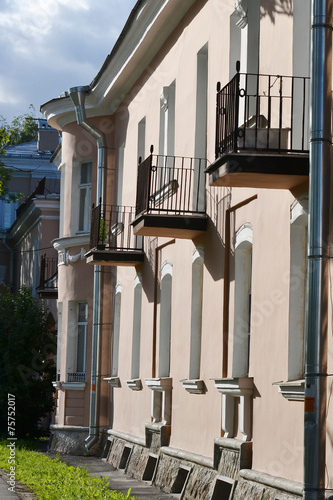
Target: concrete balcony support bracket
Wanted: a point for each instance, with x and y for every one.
(241, 388)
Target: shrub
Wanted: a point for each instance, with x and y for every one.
(27, 345)
(50, 478)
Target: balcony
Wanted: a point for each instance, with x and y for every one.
(76, 377)
(112, 242)
(48, 278)
(262, 132)
(170, 199)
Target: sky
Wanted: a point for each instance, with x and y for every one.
(48, 46)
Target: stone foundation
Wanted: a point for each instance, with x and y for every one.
(71, 439)
(193, 477)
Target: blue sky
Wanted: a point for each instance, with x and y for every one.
(48, 46)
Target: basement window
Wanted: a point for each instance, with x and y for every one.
(180, 482)
(125, 457)
(150, 468)
(107, 448)
(223, 489)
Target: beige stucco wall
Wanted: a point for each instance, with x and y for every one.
(196, 419)
(76, 277)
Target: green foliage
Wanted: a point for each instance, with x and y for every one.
(22, 129)
(5, 173)
(102, 232)
(50, 477)
(27, 345)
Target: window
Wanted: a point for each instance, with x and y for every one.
(82, 324)
(196, 313)
(116, 330)
(59, 341)
(242, 317)
(136, 339)
(85, 196)
(165, 320)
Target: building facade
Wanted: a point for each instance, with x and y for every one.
(181, 301)
(28, 226)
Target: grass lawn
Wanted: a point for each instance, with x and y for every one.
(50, 478)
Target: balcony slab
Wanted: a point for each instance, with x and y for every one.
(259, 170)
(114, 257)
(170, 226)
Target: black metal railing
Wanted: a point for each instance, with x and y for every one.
(48, 276)
(111, 228)
(76, 377)
(263, 112)
(171, 185)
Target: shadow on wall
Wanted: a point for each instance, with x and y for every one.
(273, 7)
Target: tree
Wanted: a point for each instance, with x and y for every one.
(22, 129)
(27, 348)
(5, 173)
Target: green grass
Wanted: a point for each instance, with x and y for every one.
(49, 478)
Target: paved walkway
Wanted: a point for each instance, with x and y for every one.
(118, 480)
(21, 491)
(97, 468)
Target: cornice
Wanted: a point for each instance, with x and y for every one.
(32, 214)
(70, 242)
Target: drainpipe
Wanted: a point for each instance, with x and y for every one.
(78, 95)
(318, 253)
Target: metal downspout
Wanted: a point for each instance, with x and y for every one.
(78, 95)
(318, 253)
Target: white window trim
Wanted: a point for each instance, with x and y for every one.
(194, 385)
(165, 326)
(116, 331)
(136, 335)
(243, 248)
(294, 388)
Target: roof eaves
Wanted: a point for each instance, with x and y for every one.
(120, 39)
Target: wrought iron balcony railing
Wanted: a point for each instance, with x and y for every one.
(263, 113)
(76, 377)
(171, 185)
(48, 277)
(111, 229)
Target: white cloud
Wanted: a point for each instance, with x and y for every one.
(51, 45)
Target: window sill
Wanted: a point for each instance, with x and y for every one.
(235, 386)
(73, 386)
(194, 386)
(293, 390)
(134, 384)
(159, 384)
(113, 381)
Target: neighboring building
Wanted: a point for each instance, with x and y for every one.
(28, 226)
(181, 297)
